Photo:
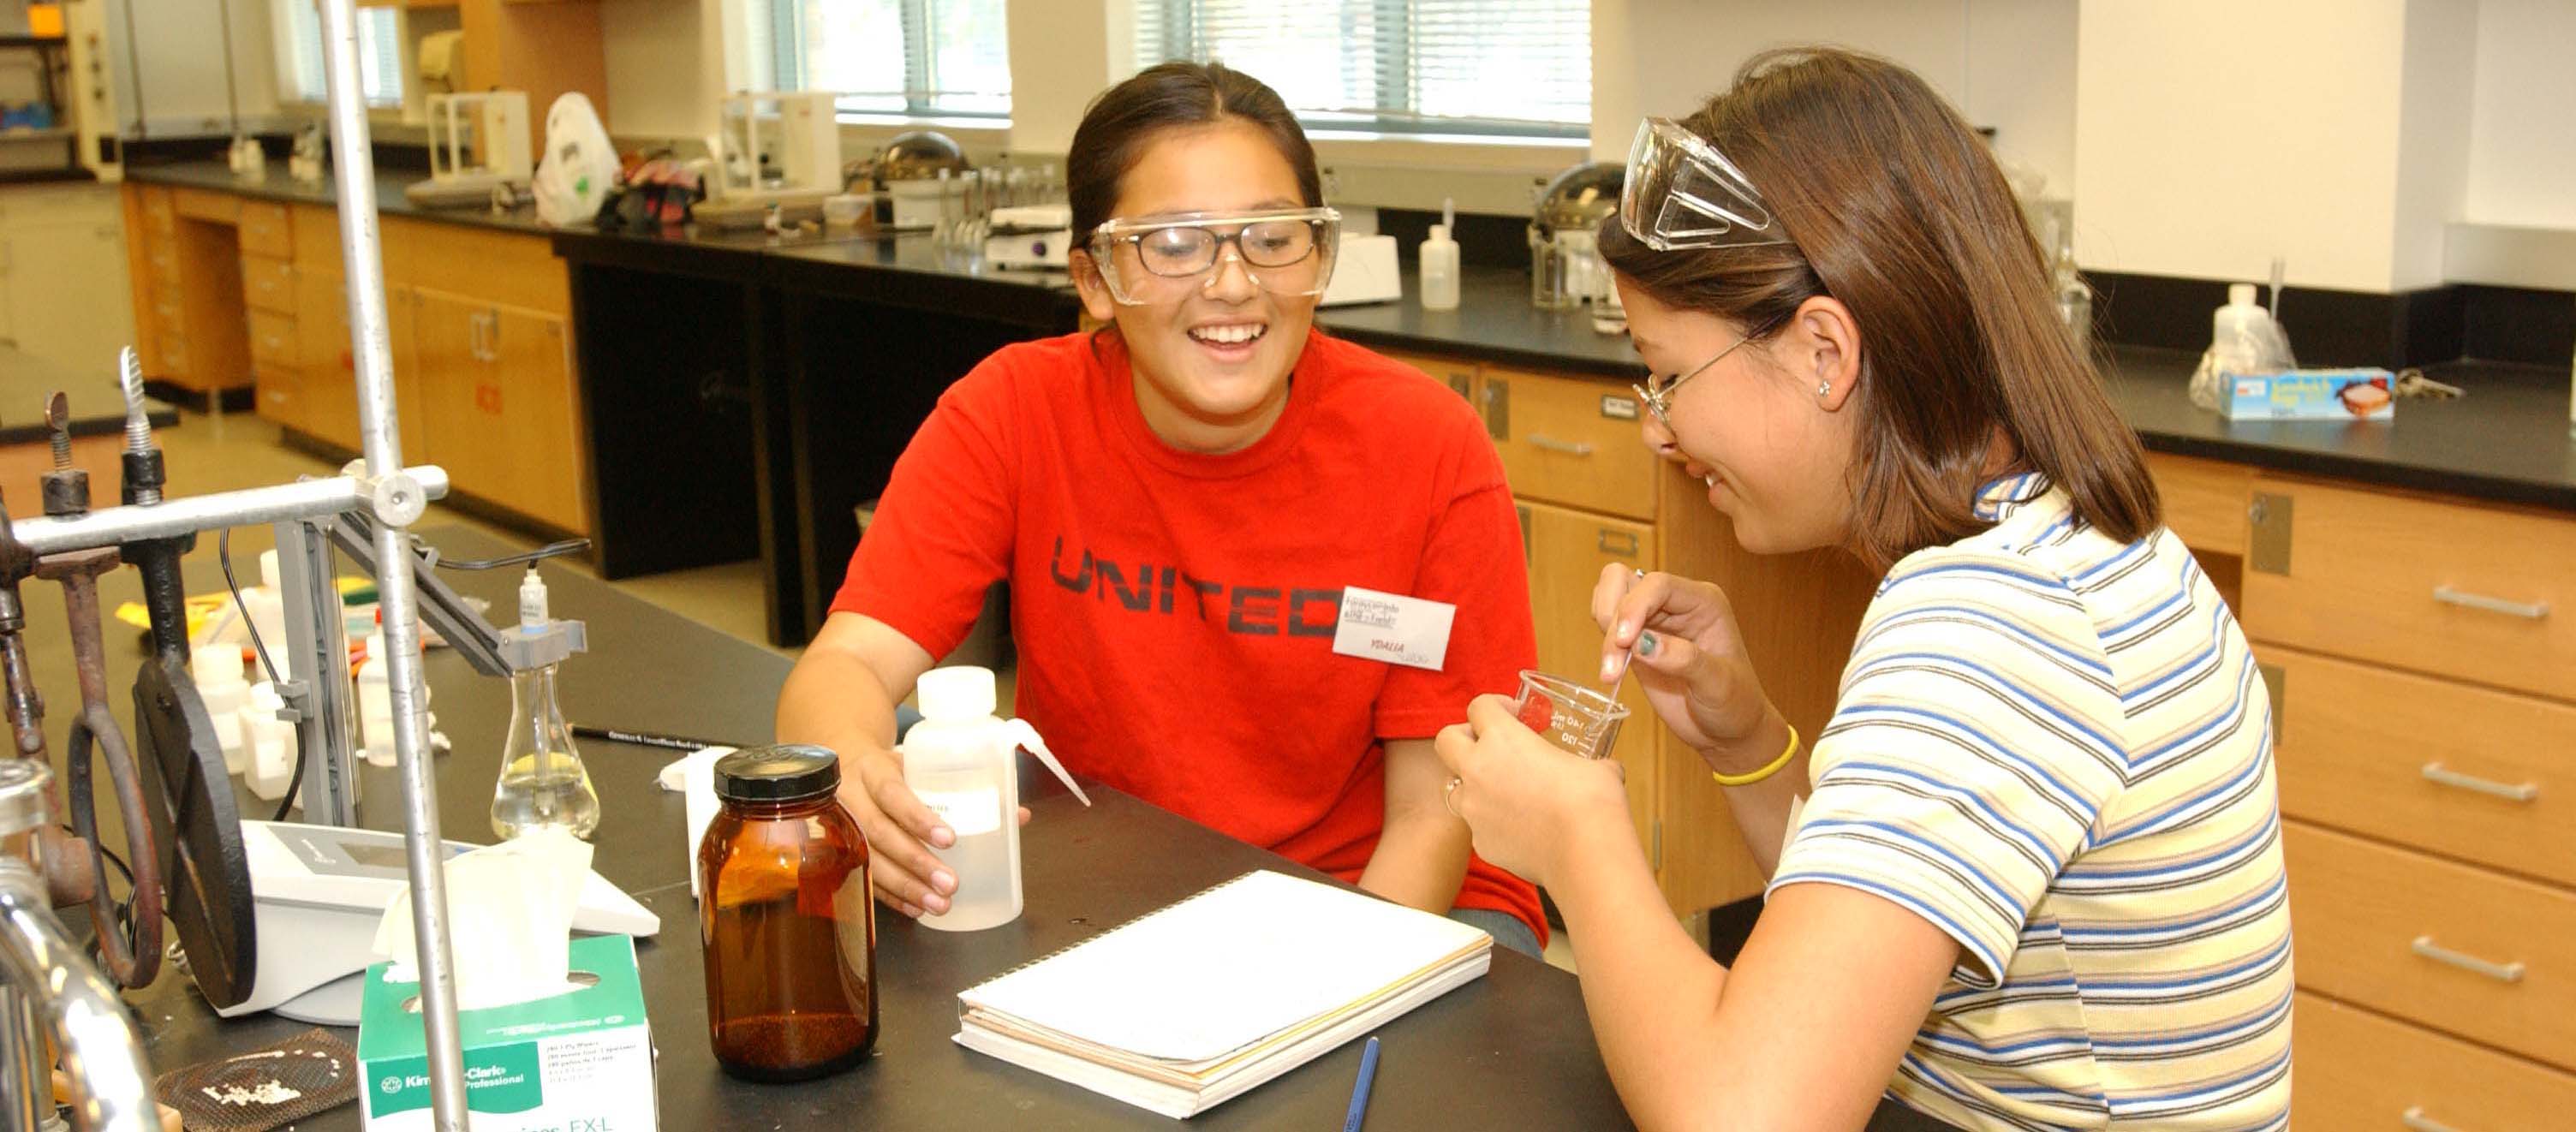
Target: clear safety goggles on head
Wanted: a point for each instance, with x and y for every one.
(1166, 258)
(1682, 193)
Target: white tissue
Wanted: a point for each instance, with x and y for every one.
(509, 913)
(694, 776)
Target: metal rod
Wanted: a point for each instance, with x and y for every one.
(304, 499)
(362, 266)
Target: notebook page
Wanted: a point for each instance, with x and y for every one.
(1226, 968)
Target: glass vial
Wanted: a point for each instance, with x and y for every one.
(785, 918)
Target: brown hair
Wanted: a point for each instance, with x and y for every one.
(1114, 130)
(1896, 208)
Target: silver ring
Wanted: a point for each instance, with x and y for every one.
(1641, 575)
(1449, 799)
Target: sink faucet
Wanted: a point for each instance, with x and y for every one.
(49, 989)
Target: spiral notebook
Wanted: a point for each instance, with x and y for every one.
(1187, 1007)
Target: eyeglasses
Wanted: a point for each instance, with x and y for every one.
(1287, 252)
(1658, 395)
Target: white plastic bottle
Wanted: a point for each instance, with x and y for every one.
(270, 763)
(1438, 263)
(264, 605)
(960, 761)
(218, 672)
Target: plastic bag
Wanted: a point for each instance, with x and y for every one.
(579, 167)
(2255, 344)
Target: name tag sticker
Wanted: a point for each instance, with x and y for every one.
(1394, 628)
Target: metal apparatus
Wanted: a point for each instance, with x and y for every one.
(48, 992)
(186, 795)
(1565, 262)
(477, 143)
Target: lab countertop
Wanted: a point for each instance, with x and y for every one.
(2508, 440)
(275, 185)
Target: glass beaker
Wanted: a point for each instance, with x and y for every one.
(1579, 720)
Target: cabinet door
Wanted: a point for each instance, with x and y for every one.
(1567, 550)
(531, 405)
(331, 369)
(446, 337)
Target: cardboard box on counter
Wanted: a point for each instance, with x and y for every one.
(581, 1059)
(2311, 394)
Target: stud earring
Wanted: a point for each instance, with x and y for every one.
(1824, 388)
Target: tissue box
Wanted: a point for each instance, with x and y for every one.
(2311, 394)
(582, 1059)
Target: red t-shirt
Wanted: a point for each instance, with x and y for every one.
(1174, 612)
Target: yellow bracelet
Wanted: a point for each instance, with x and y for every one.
(1765, 772)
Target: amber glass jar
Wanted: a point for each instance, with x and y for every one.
(786, 920)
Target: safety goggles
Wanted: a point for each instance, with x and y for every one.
(1165, 258)
(1682, 193)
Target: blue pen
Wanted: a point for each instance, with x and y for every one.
(1360, 1088)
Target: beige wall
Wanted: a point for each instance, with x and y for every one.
(2009, 64)
(2522, 147)
(2206, 154)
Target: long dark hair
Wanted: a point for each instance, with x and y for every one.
(1897, 209)
(1118, 124)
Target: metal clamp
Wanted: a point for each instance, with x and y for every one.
(398, 499)
(2416, 1121)
(2500, 972)
(1552, 444)
(2516, 792)
(2528, 610)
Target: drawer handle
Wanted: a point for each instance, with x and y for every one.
(2520, 792)
(2533, 610)
(1552, 444)
(2418, 1122)
(2500, 972)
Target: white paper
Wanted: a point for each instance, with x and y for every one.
(1394, 628)
(510, 910)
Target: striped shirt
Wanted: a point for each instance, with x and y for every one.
(2056, 748)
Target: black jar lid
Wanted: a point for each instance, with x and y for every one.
(782, 773)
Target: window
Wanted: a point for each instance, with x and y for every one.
(299, 54)
(917, 58)
(1506, 67)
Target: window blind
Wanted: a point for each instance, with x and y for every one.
(1519, 67)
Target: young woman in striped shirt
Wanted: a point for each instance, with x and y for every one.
(2029, 876)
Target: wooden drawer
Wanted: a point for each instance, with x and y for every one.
(268, 284)
(2400, 932)
(316, 232)
(160, 217)
(2358, 1070)
(280, 397)
(2463, 771)
(2475, 593)
(264, 230)
(272, 340)
(161, 262)
(1459, 376)
(1570, 441)
(2204, 500)
(200, 204)
(496, 268)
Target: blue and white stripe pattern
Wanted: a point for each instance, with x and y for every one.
(2056, 748)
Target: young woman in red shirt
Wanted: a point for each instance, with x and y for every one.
(1179, 502)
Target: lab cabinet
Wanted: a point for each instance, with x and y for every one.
(497, 403)
(478, 332)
